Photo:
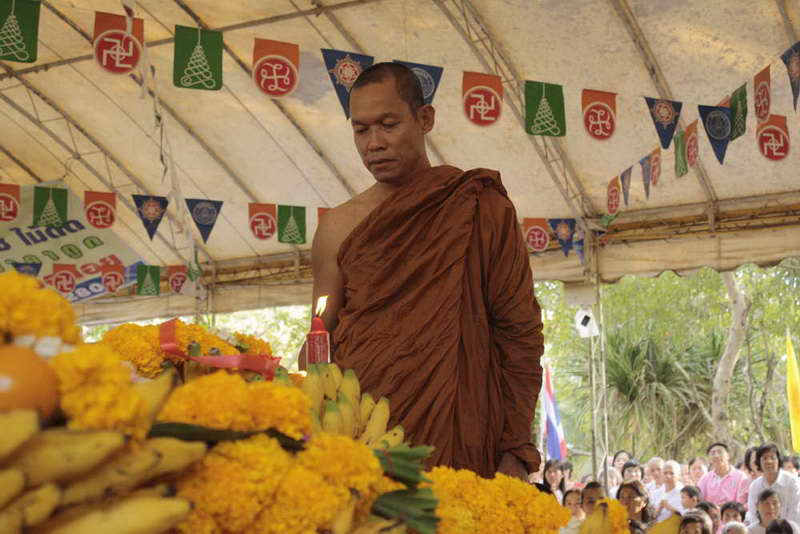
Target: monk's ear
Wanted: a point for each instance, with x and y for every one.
(427, 117)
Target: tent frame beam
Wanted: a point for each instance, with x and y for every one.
(466, 19)
(791, 31)
(21, 164)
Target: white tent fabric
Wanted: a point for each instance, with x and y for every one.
(65, 117)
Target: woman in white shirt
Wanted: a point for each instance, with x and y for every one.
(573, 502)
(670, 497)
(768, 510)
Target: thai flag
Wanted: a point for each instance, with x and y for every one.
(556, 443)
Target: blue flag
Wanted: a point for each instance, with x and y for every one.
(344, 68)
(428, 76)
(27, 268)
(665, 114)
(151, 210)
(625, 178)
(718, 125)
(647, 174)
(204, 214)
(791, 58)
(565, 231)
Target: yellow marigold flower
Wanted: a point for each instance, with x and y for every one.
(537, 511)
(22, 301)
(254, 344)
(609, 517)
(218, 400)
(234, 484)
(138, 345)
(342, 461)
(286, 409)
(97, 393)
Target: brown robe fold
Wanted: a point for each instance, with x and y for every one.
(440, 317)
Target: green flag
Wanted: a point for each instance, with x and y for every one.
(292, 225)
(19, 30)
(194, 271)
(739, 112)
(49, 206)
(148, 280)
(544, 109)
(198, 59)
(681, 165)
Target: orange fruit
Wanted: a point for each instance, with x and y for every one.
(27, 381)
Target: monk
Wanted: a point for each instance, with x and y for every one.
(430, 291)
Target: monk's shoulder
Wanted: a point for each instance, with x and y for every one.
(339, 222)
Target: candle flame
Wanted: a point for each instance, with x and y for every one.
(322, 303)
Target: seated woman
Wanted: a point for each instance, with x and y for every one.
(634, 497)
(768, 509)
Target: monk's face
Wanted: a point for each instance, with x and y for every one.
(390, 139)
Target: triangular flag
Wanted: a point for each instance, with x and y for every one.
(681, 166)
(614, 196)
(64, 277)
(344, 69)
(536, 234)
(292, 225)
(577, 244)
(718, 126)
(483, 97)
(151, 210)
(197, 61)
(565, 231)
(646, 174)
(49, 206)
(276, 67)
(19, 30)
(117, 50)
(176, 277)
(625, 179)
(599, 113)
(665, 114)
(204, 214)
(791, 58)
(148, 280)
(29, 268)
(692, 144)
(9, 202)
(762, 94)
(112, 277)
(263, 220)
(655, 166)
(100, 208)
(793, 392)
(773, 138)
(739, 112)
(544, 109)
(428, 76)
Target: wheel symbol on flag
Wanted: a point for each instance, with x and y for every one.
(655, 169)
(482, 105)
(346, 71)
(204, 213)
(613, 199)
(117, 51)
(794, 67)
(664, 112)
(275, 76)
(9, 208)
(773, 143)
(537, 238)
(425, 81)
(64, 281)
(100, 214)
(692, 150)
(718, 125)
(599, 120)
(113, 280)
(762, 101)
(263, 225)
(176, 281)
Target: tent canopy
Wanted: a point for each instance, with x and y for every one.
(65, 117)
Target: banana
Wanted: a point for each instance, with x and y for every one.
(159, 490)
(176, 454)
(351, 387)
(316, 425)
(348, 411)
(312, 386)
(332, 418)
(18, 427)
(120, 474)
(343, 521)
(376, 427)
(61, 455)
(12, 482)
(130, 515)
(366, 407)
(329, 384)
(282, 377)
(38, 504)
(392, 437)
(155, 392)
(11, 520)
(336, 375)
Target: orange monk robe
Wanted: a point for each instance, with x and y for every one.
(440, 317)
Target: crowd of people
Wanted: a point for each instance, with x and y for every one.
(711, 495)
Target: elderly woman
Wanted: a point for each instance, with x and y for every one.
(670, 496)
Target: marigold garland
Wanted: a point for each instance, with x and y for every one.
(97, 393)
(227, 402)
(29, 309)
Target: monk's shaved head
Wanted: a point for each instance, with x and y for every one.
(406, 82)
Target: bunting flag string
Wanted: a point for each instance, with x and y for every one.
(292, 225)
(100, 208)
(773, 138)
(49, 206)
(536, 234)
(19, 30)
(276, 67)
(9, 202)
(655, 166)
(263, 220)
(647, 176)
(762, 94)
(739, 112)
(625, 179)
(428, 76)
(112, 277)
(599, 113)
(117, 49)
(544, 109)
(148, 280)
(483, 97)
(665, 115)
(692, 144)
(614, 196)
(681, 165)
(204, 213)
(564, 229)
(151, 210)
(197, 62)
(791, 58)
(176, 278)
(344, 69)
(718, 126)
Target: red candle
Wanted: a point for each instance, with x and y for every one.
(318, 341)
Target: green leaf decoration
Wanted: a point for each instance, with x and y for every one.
(190, 432)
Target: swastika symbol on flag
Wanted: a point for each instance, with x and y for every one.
(613, 200)
(64, 281)
(599, 121)
(263, 225)
(537, 238)
(9, 208)
(762, 102)
(275, 75)
(100, 215)
(117, 51)
(112, 281)
(692, 150)
(176, 281)
(482, 105)
(655, 169)
(774, 143)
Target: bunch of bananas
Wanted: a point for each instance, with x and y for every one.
(66, 481)
(339, 407)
